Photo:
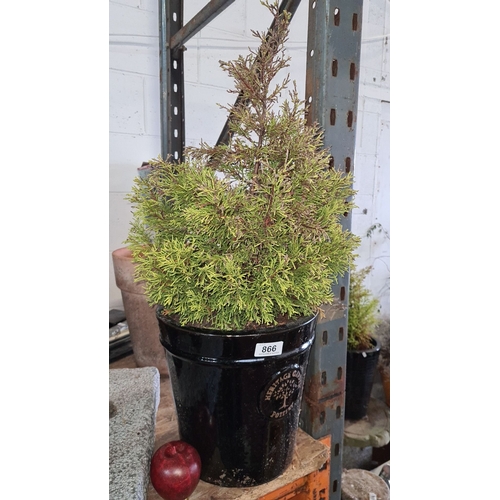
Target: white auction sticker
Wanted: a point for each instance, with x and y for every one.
(269, 349)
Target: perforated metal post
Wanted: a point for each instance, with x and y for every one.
(173, 34)
(333, 55)
(171, 80)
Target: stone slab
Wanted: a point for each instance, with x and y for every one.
(134, 395)
(354, 457)
(373, 430)
(359, 484)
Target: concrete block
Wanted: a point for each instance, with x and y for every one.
(191, 8)
(298, 26)
(371, 54)
(376, 12)
(124, 19)
(372, 31)
(380, 282)
(210, 72)
(369, 123)
(128, 153)
(376, 78)
(204, 119)
(364, 173)
(129, 3)
(364, 250)
(192, 55)
(232, 19)
(120, 217)
(374, 91)
(150, 5)
(138, 55)
(134, 396)
(126, 103)
(386, 60)
(152, 119)
(369, 104)
(364, 204)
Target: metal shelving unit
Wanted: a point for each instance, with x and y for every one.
(333, 56)
(332, 82)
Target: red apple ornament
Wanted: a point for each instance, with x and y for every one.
(175, 470)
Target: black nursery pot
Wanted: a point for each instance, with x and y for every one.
(238, 396)
(360, 373)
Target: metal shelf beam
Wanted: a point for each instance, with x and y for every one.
(200, 20)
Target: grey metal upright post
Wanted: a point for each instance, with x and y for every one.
(173, 34)
(333, 56)
(171, 80)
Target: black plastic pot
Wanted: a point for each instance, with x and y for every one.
(360, 373)
(238, 396)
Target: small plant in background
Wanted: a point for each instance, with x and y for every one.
(363, 312)
(248, 233)
(379, 228)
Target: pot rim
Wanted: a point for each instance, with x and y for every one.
(122, 253)
(292, 324)
(376, 347)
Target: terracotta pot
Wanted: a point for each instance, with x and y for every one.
(141, 317)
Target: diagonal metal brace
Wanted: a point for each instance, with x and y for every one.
(291, 7)
(199, 21)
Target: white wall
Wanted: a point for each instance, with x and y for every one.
(371, 161)
(135, 118)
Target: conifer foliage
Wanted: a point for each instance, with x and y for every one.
(248, 233)
(363, 311)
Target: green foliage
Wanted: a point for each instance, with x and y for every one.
(363, 313)
(247, 233)
(379, 228)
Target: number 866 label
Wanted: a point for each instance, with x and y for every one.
(268, 349)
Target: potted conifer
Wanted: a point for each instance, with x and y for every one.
(363, 348)
(238, 247)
